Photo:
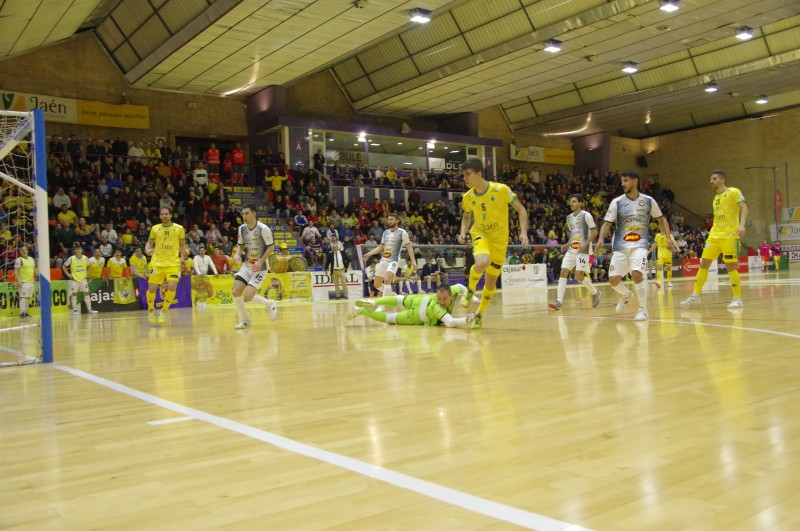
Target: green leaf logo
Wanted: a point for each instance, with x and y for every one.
(8, 100)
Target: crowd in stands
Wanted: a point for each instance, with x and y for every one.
(107, 195)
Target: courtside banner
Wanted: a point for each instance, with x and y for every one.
(183, 295)
(284, 286)
(322, 285)
(523, 276)
(83, 112)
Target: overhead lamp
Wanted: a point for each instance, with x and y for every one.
(552, 46)
(711, 87)
(762, 100)
(630, 67)
(744, 33)
(431, 145)
(420, 15)
(670, 5)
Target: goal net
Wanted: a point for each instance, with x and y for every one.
(25, 336)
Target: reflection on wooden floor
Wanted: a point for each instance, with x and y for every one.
(543, 419)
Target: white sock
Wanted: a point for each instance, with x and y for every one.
(588, 283)
(88, 301)
(240, 308)
(622, 290)
(23, 305)
(419, 286)
(387, 290)
(74, 302)
(391, 318)
(641, 293)
(562, 288)
(258, 299)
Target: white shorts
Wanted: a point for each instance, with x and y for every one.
(78, 285)
(385, 266)
(246, 275)
(26, 289)
(623, 262)
(577, 261)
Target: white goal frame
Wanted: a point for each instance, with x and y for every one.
(32, 123)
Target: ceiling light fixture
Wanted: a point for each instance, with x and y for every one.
(711, 87)
(762, 100)
(670, 5)
(552, 46)
(630, 67)
(420, 15)
(744, 33)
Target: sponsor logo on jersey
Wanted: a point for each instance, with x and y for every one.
(632, 237)
(575, 245)
(641, 202)
(631, 228)
(387, 254)
(489, 227)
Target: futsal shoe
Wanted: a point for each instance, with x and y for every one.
(623, 302)
(24, 315)
(693, 300)
(736, 303)
(596, 299)
(557, 305)
(641, 315)
(151, 316)
(162, 317)
(467, 298)
(365, 303)
(353, 314)
(272, 310)
(93, 312)
(477, 322)
(242, 325)
(658, 285)
(669, 284)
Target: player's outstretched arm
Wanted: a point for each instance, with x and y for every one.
(451, 322)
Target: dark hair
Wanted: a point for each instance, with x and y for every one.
(445, 288)
(472, 164)
(250, 206)
(579, 197)
(631, 174)
(720, 173)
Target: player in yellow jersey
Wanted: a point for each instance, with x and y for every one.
(96, 265)
(24, 273)
(664, 257)
(116, 265)
(75, 270)
(138, 264)
(730, 217)
(486, 208)
(167, 246)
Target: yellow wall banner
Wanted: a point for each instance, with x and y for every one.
(71, 111)
(217, 289)
(564, 157)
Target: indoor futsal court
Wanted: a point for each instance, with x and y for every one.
(570, 420)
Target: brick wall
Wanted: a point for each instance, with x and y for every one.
(81, 69)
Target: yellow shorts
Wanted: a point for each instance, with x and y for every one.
(159, 274)
(664, 260)
(496, 252)
(728, 248)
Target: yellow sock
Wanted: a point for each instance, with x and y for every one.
(169, 298)
(736, 281)
(669, 273)
(151, 301)
(486, 298)
(702, 276)
(659, 274)
(474, 277)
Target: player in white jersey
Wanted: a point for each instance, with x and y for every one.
(582, 232)
(393, 240)
(255, 240)
(631, 212)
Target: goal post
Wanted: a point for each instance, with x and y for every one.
(23, 174)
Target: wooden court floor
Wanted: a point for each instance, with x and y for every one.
(578, 419)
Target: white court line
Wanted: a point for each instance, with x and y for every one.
(168, 421)
(716, 325)
(426, 488)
